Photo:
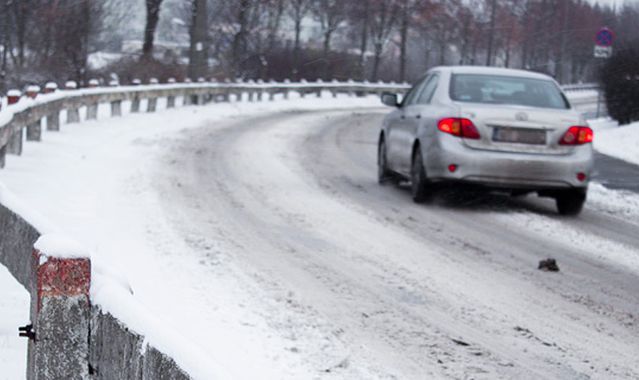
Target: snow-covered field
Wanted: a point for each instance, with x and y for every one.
(250, 241)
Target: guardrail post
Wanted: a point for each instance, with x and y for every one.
(92, 111)
(34, 131)
(135, 105)
(60, 314)
(13, 96)
(116, 108)
(301, 90)
(170, 101)
(53, 121)
(15, 143)
(73, 115)
(152, 105)
(3, 154)
(319, 88)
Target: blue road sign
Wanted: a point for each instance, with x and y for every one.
(605, 37)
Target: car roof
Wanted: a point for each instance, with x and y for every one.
(482, 70)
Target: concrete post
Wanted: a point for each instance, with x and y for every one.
(187, 99)
(116, 108)
(135, 105)
(50, 87)
(152, 105)
(260, 93)
(3, 154)
(13, 97)
(34, 131)
(60, 314)
(15, 143)
(170, 101)
(53, 121)
(251, 96)
(92, 111)
(73, 115)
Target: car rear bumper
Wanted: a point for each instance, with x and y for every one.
(506, 169)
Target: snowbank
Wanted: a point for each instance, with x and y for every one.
(621, 142)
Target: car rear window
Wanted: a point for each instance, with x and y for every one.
(497, 89)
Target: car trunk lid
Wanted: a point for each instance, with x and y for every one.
(520, 129)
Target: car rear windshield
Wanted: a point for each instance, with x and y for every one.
(497, 89)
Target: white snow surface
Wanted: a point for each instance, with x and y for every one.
(14, 312)
(89, 182)
(60, 246)
(621, 142)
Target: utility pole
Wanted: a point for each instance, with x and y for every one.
(198, 52)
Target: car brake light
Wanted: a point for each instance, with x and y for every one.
(459, 127)
(577, 136)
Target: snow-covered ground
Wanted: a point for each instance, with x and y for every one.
(14, 312)
(170, 248)
(88, 181)
(619, 141)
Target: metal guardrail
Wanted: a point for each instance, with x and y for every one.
(29, 112)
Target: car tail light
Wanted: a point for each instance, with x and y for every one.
(577, 136)
(459, 127)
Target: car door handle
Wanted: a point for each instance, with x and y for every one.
(419, 116)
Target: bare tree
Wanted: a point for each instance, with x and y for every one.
(384, 17)
(152, 18)
(198, 51)
(297, 10)
(330, 14)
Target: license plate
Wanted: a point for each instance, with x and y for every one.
(520, 136)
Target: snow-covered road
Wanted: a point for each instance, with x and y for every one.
(361, 283)
(261, 244)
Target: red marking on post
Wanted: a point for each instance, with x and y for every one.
(62, 277)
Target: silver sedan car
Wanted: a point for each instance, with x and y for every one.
(500, 129)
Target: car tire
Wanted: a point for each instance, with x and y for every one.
(570, 203)
(384, 175)
(420, 188)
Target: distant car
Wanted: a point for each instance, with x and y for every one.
(501, 129)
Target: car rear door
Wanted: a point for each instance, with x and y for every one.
(417, 112)
(397, 129)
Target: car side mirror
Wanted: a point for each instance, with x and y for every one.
(390, 99)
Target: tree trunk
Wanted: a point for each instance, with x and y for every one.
(404, 41)
(378, 57)
(152, 18)
(491, 33)
(296, 49)
(239, 42)
(198, 51)
(327, 49)
(364, 42)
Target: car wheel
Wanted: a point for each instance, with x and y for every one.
(383, 173)
(571, 202)
(419, 182)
